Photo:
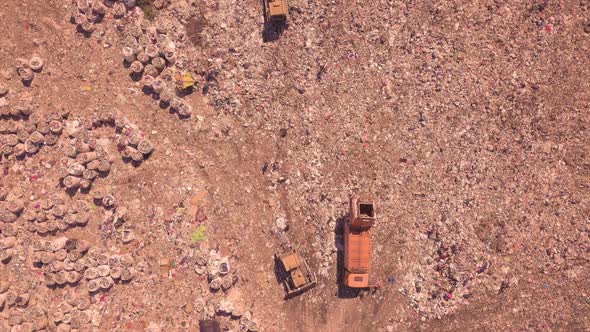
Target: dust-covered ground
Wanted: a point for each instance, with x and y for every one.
(122, 196)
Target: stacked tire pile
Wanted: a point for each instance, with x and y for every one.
(53, 215)
(149, 50)
(59, 260)
(86, 14)
(85, 160)
(150, 53)
(132, 144)
(24, 138)
(20, 316)
(107, 271)
(26, 69)
(71, 262)
(12, 205)
(104, 199)
(6, 248)
(74, 312)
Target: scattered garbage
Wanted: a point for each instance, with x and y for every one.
(433, 213)
(281, 224)
(199, 234)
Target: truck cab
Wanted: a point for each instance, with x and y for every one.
(357, 242)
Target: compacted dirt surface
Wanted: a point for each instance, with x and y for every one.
(129, 204)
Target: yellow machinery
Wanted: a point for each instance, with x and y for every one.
(184, 80)
(294, 273)
(276, 10)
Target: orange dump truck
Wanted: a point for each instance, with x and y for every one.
(357, 243)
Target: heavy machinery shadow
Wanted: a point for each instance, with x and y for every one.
(344, 292)
(279, 273)
(272, 31)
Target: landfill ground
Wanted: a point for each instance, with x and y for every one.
(467, 121)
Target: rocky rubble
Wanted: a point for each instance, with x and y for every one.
(439, 286)
(219, 274)
(222, 300)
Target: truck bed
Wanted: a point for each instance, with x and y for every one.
(357, 255)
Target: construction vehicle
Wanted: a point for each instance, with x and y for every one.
(357, 243)
(294, 273)
(275, 11)
(184, 80)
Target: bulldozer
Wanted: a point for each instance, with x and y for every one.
(184, 80)
(357, 243)
(275, 11)
(294, 273)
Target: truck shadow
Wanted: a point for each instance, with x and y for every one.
(344, 292)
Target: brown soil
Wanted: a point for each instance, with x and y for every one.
(469, 121)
